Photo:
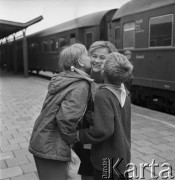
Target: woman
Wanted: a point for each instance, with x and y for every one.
(98, 52)
(55, 131)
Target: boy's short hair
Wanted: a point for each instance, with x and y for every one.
(102, 44)
(117, 68)
(69, 56)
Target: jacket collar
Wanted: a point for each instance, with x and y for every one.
(118, 91)
(84, 74)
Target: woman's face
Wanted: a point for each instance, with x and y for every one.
(98, 59)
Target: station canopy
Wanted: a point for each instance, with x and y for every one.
(9, 27)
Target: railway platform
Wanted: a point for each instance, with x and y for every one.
(153, 133)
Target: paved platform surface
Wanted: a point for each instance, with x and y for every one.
(153, 133)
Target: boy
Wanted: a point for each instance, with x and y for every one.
(110, 134)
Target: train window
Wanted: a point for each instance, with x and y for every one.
(117, 36)
(72, 38)
(57, 45)
(62, 42)
(45, 46)
(88, 39)
(37, 46)
(161, 31)
(52, 45)
(32, 45)
(129, 35)
(40, 46)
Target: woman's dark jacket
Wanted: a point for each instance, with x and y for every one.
(55, 127)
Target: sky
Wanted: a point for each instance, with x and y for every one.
(53, 11)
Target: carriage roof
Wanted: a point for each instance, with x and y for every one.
(84, 21)
(136, 6)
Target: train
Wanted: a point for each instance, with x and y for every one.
(145, 27)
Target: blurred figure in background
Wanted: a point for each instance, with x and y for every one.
(128, 83)
(128, 54)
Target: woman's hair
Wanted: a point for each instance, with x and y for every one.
(69, 56)
(117, 68)
(102, 44)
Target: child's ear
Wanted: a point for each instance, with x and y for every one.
(80, 63)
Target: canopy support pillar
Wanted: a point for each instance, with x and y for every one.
(25, 54)
(15, 55)
(7, 56)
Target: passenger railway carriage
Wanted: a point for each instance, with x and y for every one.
(45, 45)
(147, 28)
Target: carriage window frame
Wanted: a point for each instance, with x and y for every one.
(37, 48)
(149, 39)
(62, 42)
(34, 46)
(129, 29)
(89, 44)
(52, 45)
(72, 38)
(115, 38)
(45, 48)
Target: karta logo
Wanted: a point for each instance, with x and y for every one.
(111, 168)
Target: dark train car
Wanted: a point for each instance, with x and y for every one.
(3, 61)
(5, 56)
(147, 28)
(44, 46)
(8, 51)
(19, 54)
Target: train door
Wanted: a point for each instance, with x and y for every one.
(114, 33)
(90, 35)
(89, 39)
(117, 36)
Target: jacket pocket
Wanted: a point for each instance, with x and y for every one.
(44, 125)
